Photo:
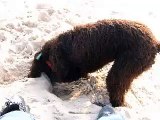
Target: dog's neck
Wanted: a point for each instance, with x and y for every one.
(49, 64)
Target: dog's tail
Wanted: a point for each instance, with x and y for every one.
(158, 47)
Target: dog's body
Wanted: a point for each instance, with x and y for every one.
(87, 48)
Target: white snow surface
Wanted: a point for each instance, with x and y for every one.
(25, 25)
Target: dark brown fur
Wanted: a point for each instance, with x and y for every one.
(73, 54)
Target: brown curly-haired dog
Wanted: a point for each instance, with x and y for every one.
(86, 48)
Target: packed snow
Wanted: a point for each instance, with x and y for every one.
(25, 25)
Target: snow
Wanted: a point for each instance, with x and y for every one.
(25, 25)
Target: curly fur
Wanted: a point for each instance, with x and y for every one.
(87, 48)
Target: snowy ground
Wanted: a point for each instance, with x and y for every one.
(25, 25)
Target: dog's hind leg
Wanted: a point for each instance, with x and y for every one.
(127, 67)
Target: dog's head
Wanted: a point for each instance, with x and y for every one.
(54, 66)
(42, 64)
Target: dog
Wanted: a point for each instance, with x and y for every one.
(87, 48)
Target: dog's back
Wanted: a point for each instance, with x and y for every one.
(91, 46)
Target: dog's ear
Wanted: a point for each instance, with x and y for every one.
(59, 62)
(63, 69)
(59, 67)
(35, 70)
